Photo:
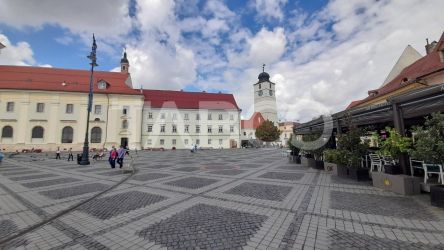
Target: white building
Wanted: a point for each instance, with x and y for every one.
(46, 108)
(180, 119)
(265, 98)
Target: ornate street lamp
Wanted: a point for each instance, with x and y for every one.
(92, 57)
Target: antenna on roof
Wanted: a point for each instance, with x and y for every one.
(427, 41)
(263, 67)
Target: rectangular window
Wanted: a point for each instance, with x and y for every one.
(245, 133)
(197, 116)
(150, 128)
(221, 129)
(148, 142)
(174, 116)
(185, 116)
(40, 107)
(231, 117)
(174, 141)
(210, 130)
(231, 129)
(150, 115)
(185, 141)
(221, 141)
(174, 128)
(10, 107)
(220, 117)
(210, 117)
(69, 108)
(97, 109)
(187, 128)
(259, 86)
(197, 141)
(162, 115)
(162, 128)
(209, 141)
(197, 128)
(162, 141)
(125, 110)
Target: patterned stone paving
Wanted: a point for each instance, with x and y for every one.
(49, 182)
(236, 199)
(346, 240)
(282, 176)
(30, 177)
(63, 193)
(149, 176)
(107, 207)
(382, 205)
(205, 227)
(192, 182)
(261, 191)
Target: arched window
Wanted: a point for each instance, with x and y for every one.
(7, 132)
(67, 134)
(96, 135)
(125, 124)
(37, 132)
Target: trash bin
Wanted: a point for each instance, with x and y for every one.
(79, 158)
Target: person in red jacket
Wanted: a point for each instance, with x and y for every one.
(113, 157)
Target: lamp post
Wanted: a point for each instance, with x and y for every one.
(92, 57)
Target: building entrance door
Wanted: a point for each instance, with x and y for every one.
(124, 142)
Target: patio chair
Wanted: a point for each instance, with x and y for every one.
(430, 169)
(416, 165)
(375, 162)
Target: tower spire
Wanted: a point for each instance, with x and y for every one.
(263, 67)
(124, 63)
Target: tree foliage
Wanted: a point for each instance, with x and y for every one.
(395, 144)
(429, 144)
(352, 147)
(267, 132)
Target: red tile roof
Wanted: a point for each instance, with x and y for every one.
(56, 79)
(422, 67)
(255, 121)
(188, 100)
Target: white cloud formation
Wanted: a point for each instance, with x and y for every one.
(18, 54)
(270, 8)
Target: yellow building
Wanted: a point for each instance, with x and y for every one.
(46, 108)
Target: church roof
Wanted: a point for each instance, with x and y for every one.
(255, 121)
(424, 66)
(408, 56)
(64, 80)
(188, 100)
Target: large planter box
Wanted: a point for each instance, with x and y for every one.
(319, 165)
(311, 162)
(392, 169)
(437, 196)
(304, 161)
(400, 184)
(331, 168)
(358, 174)
(294, 159)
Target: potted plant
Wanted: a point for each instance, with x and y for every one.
(394, 146)
(352, 149)
(333, 158)
(429, 147)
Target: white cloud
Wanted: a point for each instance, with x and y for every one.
(270, 8)
(18, 54)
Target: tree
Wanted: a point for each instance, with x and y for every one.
(267, 132)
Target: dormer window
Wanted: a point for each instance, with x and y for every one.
(102, 84)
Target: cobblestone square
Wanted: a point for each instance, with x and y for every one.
(211, 199)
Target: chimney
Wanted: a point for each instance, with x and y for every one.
(429, 47)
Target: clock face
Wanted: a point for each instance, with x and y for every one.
(271, 92)
(260, 93)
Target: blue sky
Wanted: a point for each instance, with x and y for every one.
(321, 54)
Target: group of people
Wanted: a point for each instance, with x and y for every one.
(70, 155)
(117, 156)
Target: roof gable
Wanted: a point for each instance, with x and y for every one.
(255, 121)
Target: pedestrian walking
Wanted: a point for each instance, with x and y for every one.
(112, 157)
(120, 155)
(58, 153)
(70, 155)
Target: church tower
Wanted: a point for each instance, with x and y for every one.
(124, 64)
(264, 97)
